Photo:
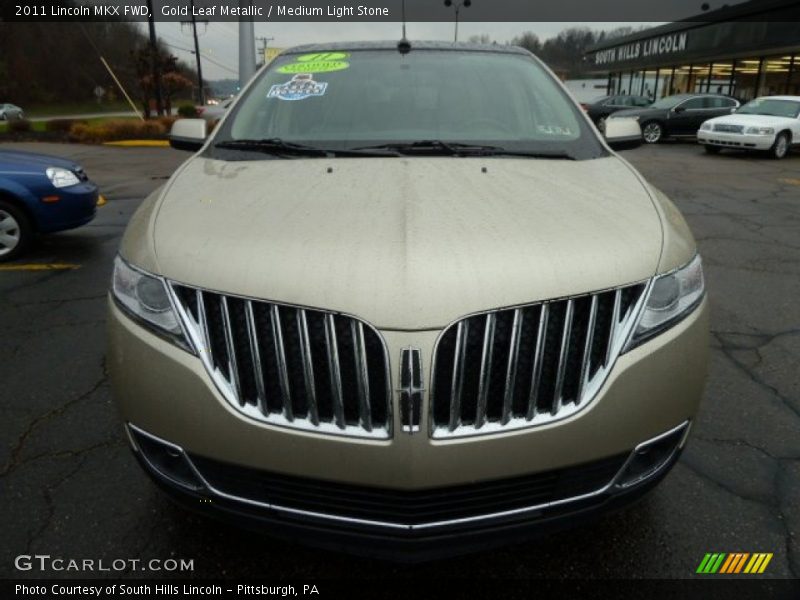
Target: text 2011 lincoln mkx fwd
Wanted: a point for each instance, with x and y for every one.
(404, 298)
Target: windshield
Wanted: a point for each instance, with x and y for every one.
(772, 108)
(346, 100)
(668, 102)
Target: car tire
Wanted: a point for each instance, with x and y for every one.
(781, 146)
(15, 231)
(712, 149)
(652, 132)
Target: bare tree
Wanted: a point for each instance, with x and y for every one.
(529, 41)
(480, 39)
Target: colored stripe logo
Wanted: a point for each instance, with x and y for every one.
(734, 563)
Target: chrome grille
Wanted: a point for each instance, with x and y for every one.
(291, 366)
(728, 128)
(529, 365)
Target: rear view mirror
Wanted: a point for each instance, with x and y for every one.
(188, 134)
(623, 133)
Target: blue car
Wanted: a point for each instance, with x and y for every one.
(40, 194)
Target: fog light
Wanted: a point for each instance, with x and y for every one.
(651, 456)
(168, 460)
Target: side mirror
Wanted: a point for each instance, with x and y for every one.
(188, 134)
(678, 109)
(623, 133)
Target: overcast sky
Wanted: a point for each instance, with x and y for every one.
(220, 50)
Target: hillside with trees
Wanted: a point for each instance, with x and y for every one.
(59, 63)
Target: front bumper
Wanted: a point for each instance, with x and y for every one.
(77, 206)
(167, 393)
(253, 501)
(735, 140)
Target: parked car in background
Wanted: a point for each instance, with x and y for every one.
(388, 303)
(9, 112)
(770, 123)
(214, 112)
(40, 194)
(600, 108)
(679, 115)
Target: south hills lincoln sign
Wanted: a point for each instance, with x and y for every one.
(664, 45)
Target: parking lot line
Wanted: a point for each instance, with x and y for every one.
(39, 267)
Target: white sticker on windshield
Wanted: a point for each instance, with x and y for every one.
(554, 130)
(299, 87)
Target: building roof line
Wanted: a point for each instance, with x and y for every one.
(745, 11)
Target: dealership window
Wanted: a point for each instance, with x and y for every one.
(746, 79)
(681, 79)
(793, 86)
(699, 79)
(649, 83)
(721, 80)
(775, 71)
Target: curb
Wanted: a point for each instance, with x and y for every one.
(139, 143)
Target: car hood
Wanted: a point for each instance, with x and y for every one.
(31, 162)
(406, 243)
(754, 121)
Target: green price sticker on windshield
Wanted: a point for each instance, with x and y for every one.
(318, 62)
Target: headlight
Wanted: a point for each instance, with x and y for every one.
(760, 130)
(146, 299)
(706, 126)
(672, 296)
(61, 177)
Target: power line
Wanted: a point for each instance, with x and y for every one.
(205, 57)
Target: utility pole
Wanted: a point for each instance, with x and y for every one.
(247, 46)
(201, 96)
(264, 42)
(154, 62)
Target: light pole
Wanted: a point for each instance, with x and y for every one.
(247, 46)
(458, 5)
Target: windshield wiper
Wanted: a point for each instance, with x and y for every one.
(432, 146)
(272, 146)
(533, 154)
(279, 146)
(459, 149)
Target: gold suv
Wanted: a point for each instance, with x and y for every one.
(406, 298)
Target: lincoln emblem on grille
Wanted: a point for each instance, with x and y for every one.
(411, 389)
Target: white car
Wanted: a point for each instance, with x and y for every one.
(770, 123)
(10, 111)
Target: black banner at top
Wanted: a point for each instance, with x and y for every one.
(395, 10)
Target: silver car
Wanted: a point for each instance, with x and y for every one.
(10, 112)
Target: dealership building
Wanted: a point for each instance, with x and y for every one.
(757, 53)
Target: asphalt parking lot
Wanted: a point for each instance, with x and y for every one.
(72, 489)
